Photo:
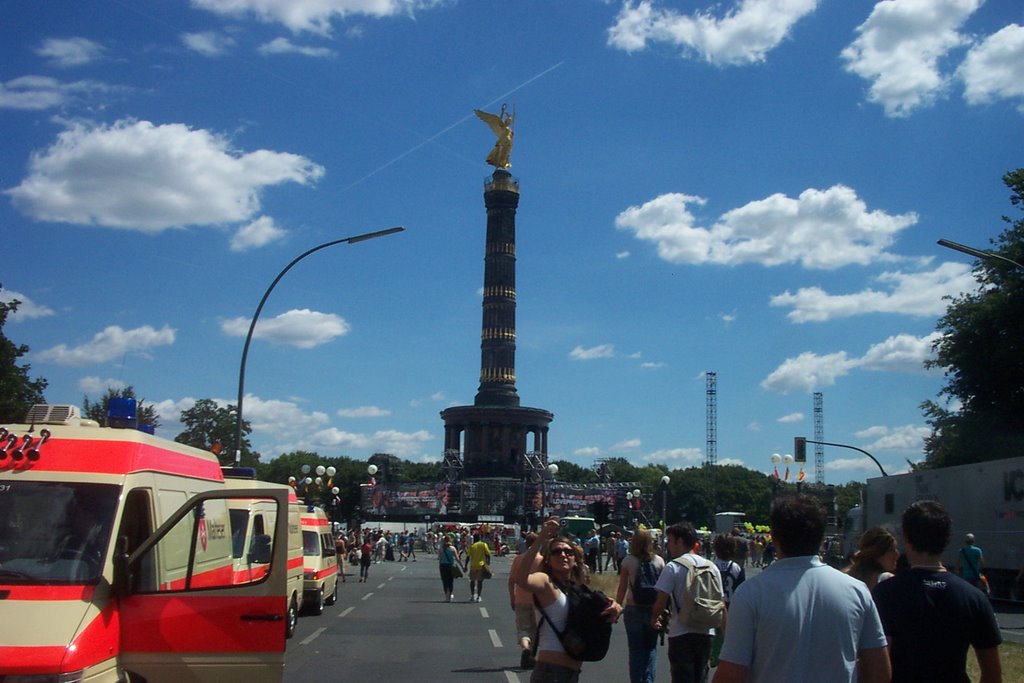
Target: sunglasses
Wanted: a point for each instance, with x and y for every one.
(563, 551)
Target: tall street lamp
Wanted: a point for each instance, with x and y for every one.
(665, 480)
(979, 253)
(552, 470)
(256, 316)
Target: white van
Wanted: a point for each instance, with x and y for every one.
(116, 560)
(320, 559)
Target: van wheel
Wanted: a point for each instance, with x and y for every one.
(334, 595)
(291, 619)
(318, 605)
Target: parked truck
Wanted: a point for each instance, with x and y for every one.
(985, 499)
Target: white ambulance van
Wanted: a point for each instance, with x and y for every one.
(320, 560)
(116, 560)
(250, 521)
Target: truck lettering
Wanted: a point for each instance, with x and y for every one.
(1013, 485)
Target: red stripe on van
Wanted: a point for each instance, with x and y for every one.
(121, 457)
(96, 643)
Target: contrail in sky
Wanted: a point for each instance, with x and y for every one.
(454, 125)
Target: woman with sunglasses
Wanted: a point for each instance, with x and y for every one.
(563, 564)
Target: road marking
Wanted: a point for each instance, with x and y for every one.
(367, 596)
(313, 637)
(346, 612)
(381, 587)
(484, 614)
(511, 676)
(495, 640)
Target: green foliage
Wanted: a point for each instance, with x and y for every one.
(146, 415)
(981, 351)
(847, 497)
(571, 473)
(18, 392)
(207, 424)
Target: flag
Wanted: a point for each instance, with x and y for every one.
(800, 477)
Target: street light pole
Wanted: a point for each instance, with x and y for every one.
(979, 253)
(664, 500)
(259, 309)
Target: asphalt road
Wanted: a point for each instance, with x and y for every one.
(396, 627)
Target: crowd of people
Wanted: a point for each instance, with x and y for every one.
(893, 614)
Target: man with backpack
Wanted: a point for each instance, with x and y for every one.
(801, 620)
(692, 585)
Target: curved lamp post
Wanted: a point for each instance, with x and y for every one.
(256, 316)
(979, 253)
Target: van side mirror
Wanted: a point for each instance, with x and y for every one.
(122, 571)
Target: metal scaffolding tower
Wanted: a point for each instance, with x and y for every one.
(712, 436)
(712, 418)
(819, 435)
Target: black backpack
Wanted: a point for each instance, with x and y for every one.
(643, 584)
(587, 634)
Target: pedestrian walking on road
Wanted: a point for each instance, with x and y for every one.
(563, 564)
(447, 556)
(931, 616)
(478, 564)
(638, 576)
(522, 605)
(969, 563)
(365, 558)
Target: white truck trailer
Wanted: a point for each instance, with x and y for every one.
(985, 498)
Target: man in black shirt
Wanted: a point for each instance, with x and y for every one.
(931, 616)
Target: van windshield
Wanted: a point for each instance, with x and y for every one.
(53, 533)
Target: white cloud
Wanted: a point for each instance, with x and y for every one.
(622, 255)
(587, 452)
(283, 46)
(899, 47)
(747, 32)
(27, 309)
(918, 294)
(676, 455)
(301, 328)
(33, 93)
(600, 351)
(401, 444)
(363, 411)
(627, 445)
(647, 365)
(314, 15)
(791, 418)
(141, 176)
(807, 372)
(732, 461)
(68, 52)
(95, 385)
(905, 438)
(208, 43)
(113, 342)
(995, 68)
(823, 229)
(259, 233)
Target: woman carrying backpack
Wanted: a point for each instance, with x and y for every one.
(639, 573)
(562, 566)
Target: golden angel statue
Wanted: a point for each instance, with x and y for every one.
(501, 124)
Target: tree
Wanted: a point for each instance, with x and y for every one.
(146, 415)
(207, 424)
(981, 351)
(18, 392)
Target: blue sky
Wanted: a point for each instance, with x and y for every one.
(752, 188)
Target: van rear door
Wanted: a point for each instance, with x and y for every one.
(184, 614)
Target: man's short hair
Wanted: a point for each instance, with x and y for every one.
(685, 532)
(927, 526)
(798, 525)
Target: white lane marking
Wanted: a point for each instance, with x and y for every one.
(367, 596)
(495, 640)
(381, 587)
(346, 612)
(484, 614)
(312, 637)
(511, 676)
